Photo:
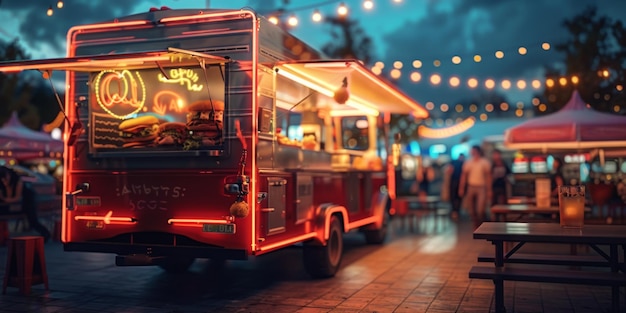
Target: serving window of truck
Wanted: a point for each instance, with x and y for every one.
(239, 141)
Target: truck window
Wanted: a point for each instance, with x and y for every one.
(173, 109)
(354, 133)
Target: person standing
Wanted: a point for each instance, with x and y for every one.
(500, 172)
(475, 185)
(556, 179)
(453, 172)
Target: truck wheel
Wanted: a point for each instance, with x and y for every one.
(176, 264)
(377, 236)
(324, 261)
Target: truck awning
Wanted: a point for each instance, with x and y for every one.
(368, 92)
(129, 61)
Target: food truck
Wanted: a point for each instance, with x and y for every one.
(216, 134)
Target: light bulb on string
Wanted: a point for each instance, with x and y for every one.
(368, 4)
(50, 11)
(273, 20)
(292, 21)
(317, 16)
(342, 10)
(60, 4)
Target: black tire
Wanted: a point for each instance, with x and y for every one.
(176, 264)
(378, 236)
(324, 261)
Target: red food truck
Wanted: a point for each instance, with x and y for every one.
(216, 134)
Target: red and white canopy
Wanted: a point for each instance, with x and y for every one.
(575, 127)
(19, 142)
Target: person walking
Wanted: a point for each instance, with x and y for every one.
(475, 185)
(453, 174)
(500, 172)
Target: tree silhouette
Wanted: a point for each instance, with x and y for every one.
(349, 40)
(25, 93)
(594, 55)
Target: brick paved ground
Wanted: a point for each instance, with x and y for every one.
(413, 272)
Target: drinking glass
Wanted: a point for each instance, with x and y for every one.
(572, 206)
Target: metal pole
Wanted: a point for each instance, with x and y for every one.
(207, 3)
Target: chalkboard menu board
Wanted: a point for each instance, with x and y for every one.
(105, 132)
(167, 95)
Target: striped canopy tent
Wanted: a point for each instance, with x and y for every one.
(19, 142)
(575, 127)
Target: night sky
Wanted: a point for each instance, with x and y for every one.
(425, 30)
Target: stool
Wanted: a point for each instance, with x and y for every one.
(26, 264)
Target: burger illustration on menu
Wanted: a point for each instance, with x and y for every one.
(171, 134)
(204, 123)
(139, 132)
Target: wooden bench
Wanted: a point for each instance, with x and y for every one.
(549, 259)
(500, 274)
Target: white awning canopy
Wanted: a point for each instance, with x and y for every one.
(129, 61)
(368, 91)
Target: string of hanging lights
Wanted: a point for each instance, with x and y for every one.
(50, 11)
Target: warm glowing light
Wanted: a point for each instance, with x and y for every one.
(522, 50)
(477, 58)
(444, 107)
(273, 20)
(483, 117)
(550, 82)
(472, 82)
(50, 12)
(605, 73)
(490, 84)
(317, 16)
(429, 105)
(519, 112)
(454, 81)
(616, 108)
(504, 106)
(459, 108)
(545, 46)
(619, 87)
(398, 64)
(417, 63)
(473, 108)
(459, 128)
(123, 90)
(395, 73)
(416, 77)
(521, 84)
(397, 1)
(368, 4)
(563, 81)
(499, 54)
(435, 79)
(292, 21)
(60, 4)
(437, 63)
(342, 10)
(542, 107)
(536, 84)
(377, 70)
(380, 65)
(489, 107)
(575, 80)
(535, 101)
(456, 59)
(506, 84)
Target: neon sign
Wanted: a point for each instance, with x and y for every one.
(183, 77)
(167, 100)
(120, 93)
(448, 131)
